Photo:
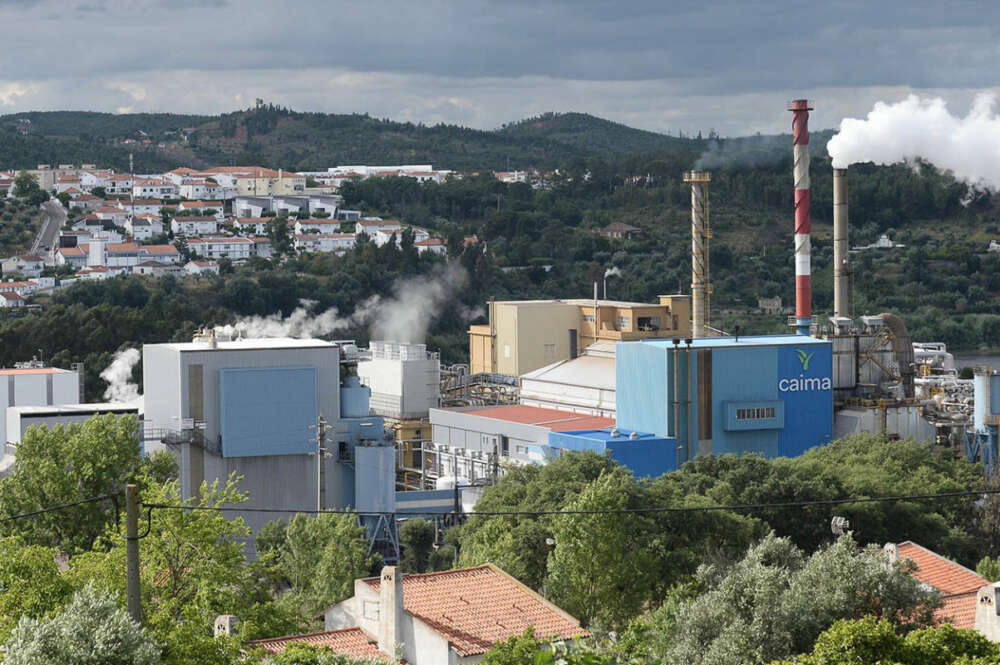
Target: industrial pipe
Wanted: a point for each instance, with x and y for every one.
(677, 403)
(803, 278)
(700, 234)
(841, 270)
(687, 395)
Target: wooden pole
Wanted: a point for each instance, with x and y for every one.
(132, 552)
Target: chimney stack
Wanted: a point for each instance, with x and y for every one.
(390, 610)
(700, 234)
(803, 278)
(841, 269)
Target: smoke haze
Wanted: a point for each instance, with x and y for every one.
(119, 377)
(404, 316)
(923, 128)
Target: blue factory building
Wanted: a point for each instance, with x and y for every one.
(771, 395)
(644, 454)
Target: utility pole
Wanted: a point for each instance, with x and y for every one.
(132, 552)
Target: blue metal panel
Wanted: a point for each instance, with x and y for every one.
(641, 378)
(647, 455)
(743, 374)
(375, 479)
(733, 411)
(425, 501)
(806, 386)
(354, 398)
(267, 411)
(994, 394)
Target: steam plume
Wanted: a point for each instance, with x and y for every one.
(119, 377)
(613, 271)
(407, 314)
(969, 147)
(404, 316)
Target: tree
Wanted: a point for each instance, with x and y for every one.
(321, 557)
(281, 239)
(25, 185)
(99, 192)
(417, 538)
(69, 463)
(871, 640)
(989, 567)
(306, 654)
(601, 568)
(91, 630)
(776, 601)
(193, 569)
(30, 583)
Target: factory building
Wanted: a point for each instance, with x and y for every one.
(771, 395)
(525, 335)
(35, 385)
(585, 384)
(20, 418)
(251, 407)
(405, 379)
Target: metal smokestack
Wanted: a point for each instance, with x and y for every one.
(700, 234)
(803, 278)
(841, 269)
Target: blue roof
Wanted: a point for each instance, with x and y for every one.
(730, 342)
(605, 435)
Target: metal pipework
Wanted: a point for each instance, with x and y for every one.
(841, 269)
(803, 278)
(701, 288)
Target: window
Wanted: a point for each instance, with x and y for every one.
(589, 318)
(648, 323)
(504, 446)
(623, 322)
(521, 450)
(758, 413)
(550, 351)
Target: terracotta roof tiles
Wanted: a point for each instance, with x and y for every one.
(941, 573)
(350, 641)
(474, 608)
(553, 419)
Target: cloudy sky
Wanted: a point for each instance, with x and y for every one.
(657, 64)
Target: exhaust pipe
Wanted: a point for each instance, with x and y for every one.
(803, 278)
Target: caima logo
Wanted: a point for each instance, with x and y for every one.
(802, 382)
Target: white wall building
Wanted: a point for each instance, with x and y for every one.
(201, 189)
(144, 227)
(317, 225)
(235, 248)
(405, 379)
(194, 226)
(251, 226)
(36, 386)
(325, 243)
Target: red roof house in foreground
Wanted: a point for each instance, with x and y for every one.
(449, 616)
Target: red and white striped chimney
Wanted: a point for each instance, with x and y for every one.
(803, 273)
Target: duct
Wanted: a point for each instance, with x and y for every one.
(902, 347)
(841, 269)
(700, 234)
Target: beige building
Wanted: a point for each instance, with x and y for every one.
(523, 335)
(258, 181)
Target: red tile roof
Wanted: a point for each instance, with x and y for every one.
(350, 641)
(939, 572)
(959, 610)
(31, 370)
(958, 585)
(162, 250)
(553, 419)
(474, 608)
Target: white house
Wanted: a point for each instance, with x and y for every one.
(66, 183)
(432, 245)
(156, 268)
(75, 257)
(94, 178)
(203, 206)
(446, 618)
(262, 247)
(128, 254)
(141, 206)
(10, 299)
(21, 288)
(375, 226)
(144, 227)
(119, 184)
(317, 225)
(235, 249)
(395, 234)
(28, 265)
(194, 226)
(155, 188)
(201, 189)
(325, 242)
(113, 214)
(251, 226)
(202, 267)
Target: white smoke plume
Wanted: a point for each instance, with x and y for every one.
(407, 314)
(969, 147)
(301, 323)
(613, 271)
(119, 377)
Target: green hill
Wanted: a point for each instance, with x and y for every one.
(280, 137)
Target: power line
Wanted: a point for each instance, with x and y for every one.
(64, 506)
(603, 511)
